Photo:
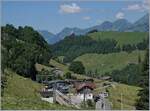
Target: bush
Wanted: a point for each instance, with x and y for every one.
(68, 75)
(77, 67)
(128, 48)
(90, 103)
(143, 45)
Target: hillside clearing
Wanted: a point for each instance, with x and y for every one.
(105, 63)
(121, 37)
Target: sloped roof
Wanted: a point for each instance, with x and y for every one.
(79, 86)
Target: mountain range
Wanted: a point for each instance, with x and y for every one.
(122, 25)
(48, 36)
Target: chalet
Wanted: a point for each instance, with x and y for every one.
(84, 90)
(84, 87)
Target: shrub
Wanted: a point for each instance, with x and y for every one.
(77, 67)
(68, 75)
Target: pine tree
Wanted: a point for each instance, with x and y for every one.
(143, 101)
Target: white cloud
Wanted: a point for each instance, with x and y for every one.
(144, 5)
(72, 8)
(86, 18)
(120, 15)
(134, 7)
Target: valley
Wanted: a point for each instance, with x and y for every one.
(96, 66)
(103, 63)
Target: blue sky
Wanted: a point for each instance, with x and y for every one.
(56, 15)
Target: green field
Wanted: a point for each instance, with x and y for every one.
(22, 94)
(123, 96)
(104, 63)
(120, 37)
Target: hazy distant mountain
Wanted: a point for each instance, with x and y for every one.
(105, 26)
(141, 25)
(120, 25)
(48, 36)
(68, 31)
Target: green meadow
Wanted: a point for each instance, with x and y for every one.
(104, 63)
(121, 37)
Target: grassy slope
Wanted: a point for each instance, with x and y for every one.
(129, 96)
(65, 69)
(59, 65)
(121, 37)
(39, 67)
(21, 93)
(108, 62)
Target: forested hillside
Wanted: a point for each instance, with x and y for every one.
(99, 42)
(73, 46)
(22, 47)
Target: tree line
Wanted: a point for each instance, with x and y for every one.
(73, 46)
(143, 101)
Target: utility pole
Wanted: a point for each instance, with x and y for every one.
(84, 92)
(69, 94)
(84, 98)
(54, 92)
